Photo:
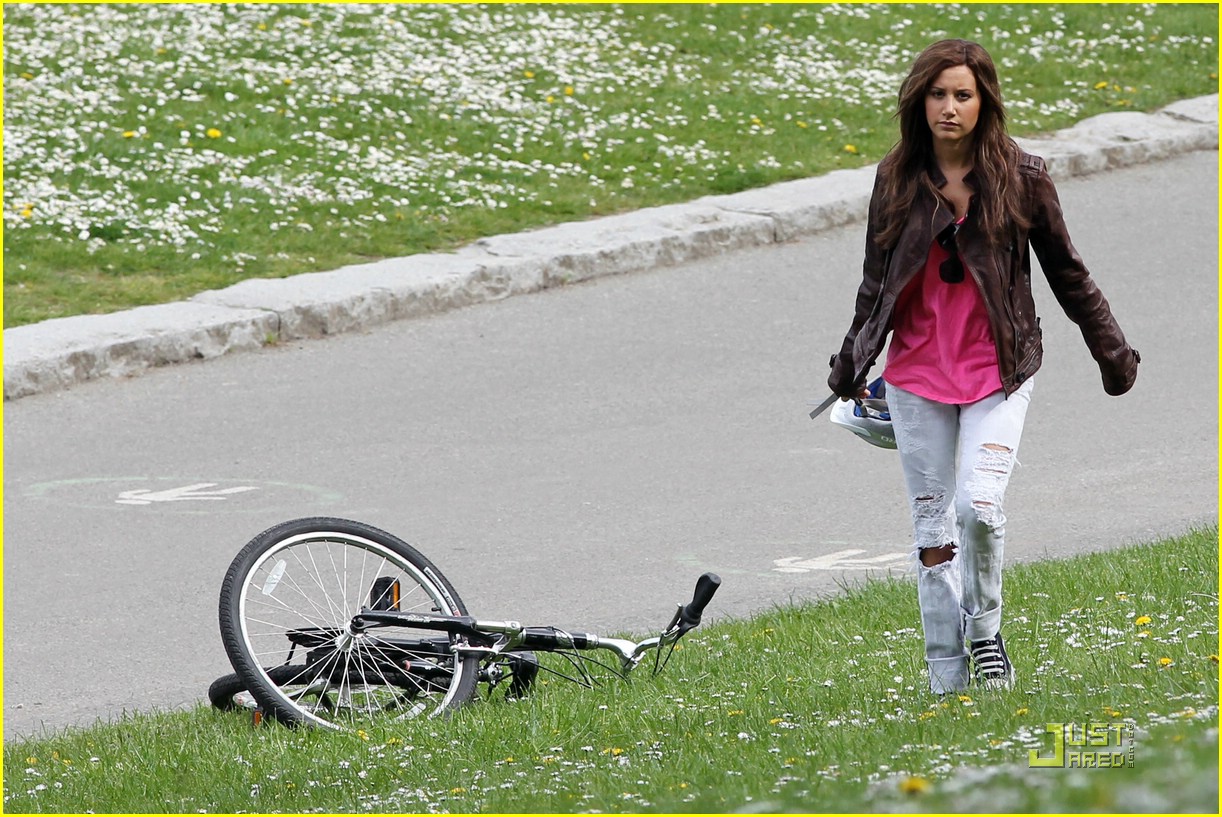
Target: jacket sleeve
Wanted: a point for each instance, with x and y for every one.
(843, 363)
(1077, 292)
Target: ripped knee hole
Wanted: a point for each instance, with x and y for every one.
(931, 556)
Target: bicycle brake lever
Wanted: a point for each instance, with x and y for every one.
(674, 620)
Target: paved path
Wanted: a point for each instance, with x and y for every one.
(60, 353)
(578, 456)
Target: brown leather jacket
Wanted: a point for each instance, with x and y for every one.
(1004, 278)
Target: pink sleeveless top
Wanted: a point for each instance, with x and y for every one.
(941, 343)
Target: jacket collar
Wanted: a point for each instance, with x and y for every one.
(939, 178)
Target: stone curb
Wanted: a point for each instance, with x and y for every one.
(62, 352)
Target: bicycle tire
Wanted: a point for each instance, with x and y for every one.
(222, 691)
(291, 593)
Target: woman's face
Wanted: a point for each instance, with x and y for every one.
(952, 104)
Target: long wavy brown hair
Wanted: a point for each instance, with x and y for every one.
(905, 169)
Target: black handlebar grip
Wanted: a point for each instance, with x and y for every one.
(706, 586)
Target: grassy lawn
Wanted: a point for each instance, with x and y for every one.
(821, 707)
(155, 151)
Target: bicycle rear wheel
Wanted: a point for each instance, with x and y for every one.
(285, 606)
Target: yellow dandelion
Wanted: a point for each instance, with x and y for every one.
(362, 734)
(850, 149)
(1112, 713)
(262, 26)
(1141, 621)
(212, 133)
(457, 790)
(27, 211)
(802, 125)
(568, 90)
(967, 699)
(129, 134)
(614, 751)
(287, 80)
(528, 74)
(1213, 658)
(1022, 710)
(1099, 86)
(1165, 662)
(550, 99)
(735, 712)
(26, 75)
(31, 760)
(914, 785)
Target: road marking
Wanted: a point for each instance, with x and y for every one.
(840, 560)
(196, 492)
(254, 495)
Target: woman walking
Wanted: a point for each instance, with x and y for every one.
(947, 273)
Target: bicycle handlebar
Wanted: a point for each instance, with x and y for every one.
(688, 616)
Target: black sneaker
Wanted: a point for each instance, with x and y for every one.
(993, 670)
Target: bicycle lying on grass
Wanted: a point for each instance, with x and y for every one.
(335, 623)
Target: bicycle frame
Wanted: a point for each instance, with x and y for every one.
(494, 638)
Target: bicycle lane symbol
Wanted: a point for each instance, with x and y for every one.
(850, 559)
(840, 560)
(178, 494)
(187, 493)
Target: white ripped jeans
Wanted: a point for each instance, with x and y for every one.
(957, 462)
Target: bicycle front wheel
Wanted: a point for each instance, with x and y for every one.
(285, 608)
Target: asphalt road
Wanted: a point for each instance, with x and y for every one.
(579, 456)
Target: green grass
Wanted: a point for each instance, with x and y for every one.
(154, 151)
(820, 707)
